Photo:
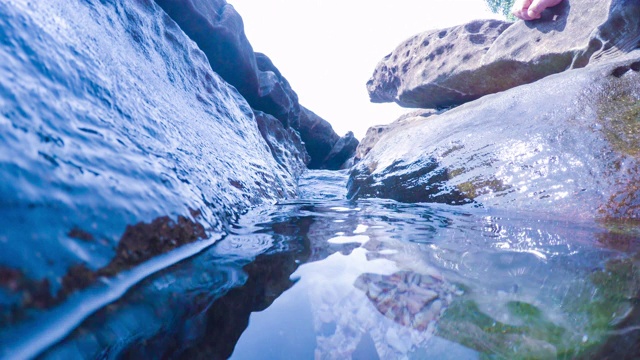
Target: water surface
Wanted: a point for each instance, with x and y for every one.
(327, 278)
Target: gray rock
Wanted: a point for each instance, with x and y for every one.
(218, 30)
(276, 95)
(453, 66)
(117, 143)
(285, 144)
(341, 152)
(318, 136)
(567, 144)
(438, 68)
(374, 133)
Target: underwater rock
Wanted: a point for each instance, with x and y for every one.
(408, 298)
(110, 116)
(452, 66)
(567, 144)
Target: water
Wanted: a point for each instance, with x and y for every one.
(323, 277)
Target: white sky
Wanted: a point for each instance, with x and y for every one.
(328, 49)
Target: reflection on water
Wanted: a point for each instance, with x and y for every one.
(322, 277)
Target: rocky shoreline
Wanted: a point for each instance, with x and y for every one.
(129, 130)
(540, 115)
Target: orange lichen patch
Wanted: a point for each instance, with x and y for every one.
(142, 241)
(139, 243)
(80, 234)
(36, 294)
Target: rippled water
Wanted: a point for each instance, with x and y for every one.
(323, 277)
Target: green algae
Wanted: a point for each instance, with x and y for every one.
(478, 187)
(620, 117)
(597, 307)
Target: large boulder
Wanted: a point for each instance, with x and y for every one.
(318, 136)
(118, 143)
(218, 30)
(434, 69)
(276, 95)
(567, 144)
(449, 67)
(375, 133)
(285, 144)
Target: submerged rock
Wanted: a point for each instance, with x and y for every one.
(567, 144)
(452, 66)
(117, 143)
(408, 298)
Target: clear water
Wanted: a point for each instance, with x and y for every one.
(327, 278)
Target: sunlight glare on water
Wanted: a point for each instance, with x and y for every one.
(388, 281)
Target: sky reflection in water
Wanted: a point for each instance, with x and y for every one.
(323, 277)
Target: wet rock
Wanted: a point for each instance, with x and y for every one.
(341, 152)
(122, 122)
(566, 144)
(218, 30)
(456, 65)
(318, 136)
(408, 298)
(276, 96)
(374, 133)
(285, 144)
(438, 68)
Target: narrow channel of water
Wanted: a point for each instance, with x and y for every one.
(327, 278)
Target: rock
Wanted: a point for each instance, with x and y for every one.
(218, 30)
(374, 133)
(438, 68)
(117, 141)
(569, 36)
(285, 144)
(276, 96)
(318, 136)
(341, 152)
(408, 298)
(567, 144)
(456, 65)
